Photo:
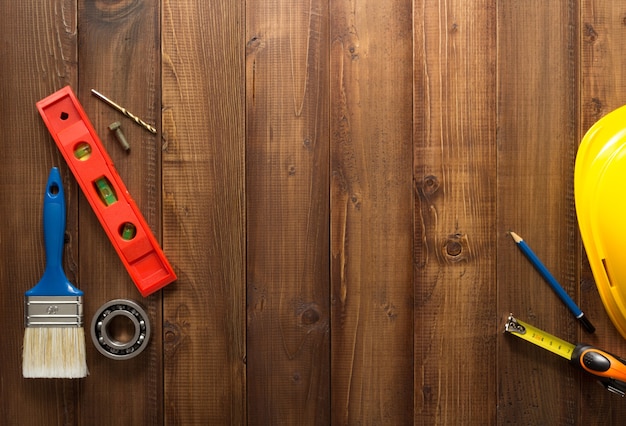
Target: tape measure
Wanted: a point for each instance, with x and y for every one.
(539, 337)
(609, 369)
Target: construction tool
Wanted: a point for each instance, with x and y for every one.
(549, 278)
(54, 338)
(124, 111)
(610, 370)
(96, 175)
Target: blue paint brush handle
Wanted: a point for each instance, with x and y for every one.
(54, 282)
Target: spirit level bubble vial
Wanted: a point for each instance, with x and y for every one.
(117, 212)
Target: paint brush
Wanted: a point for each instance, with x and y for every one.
(54, 338)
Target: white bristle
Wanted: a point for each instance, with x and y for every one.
(51, 352)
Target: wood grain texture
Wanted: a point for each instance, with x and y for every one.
(38, 43)
(333, 182)
(112, 37)
(287, 202)
(371, 221)
(455, 207)
(204, 228)
(537, 141)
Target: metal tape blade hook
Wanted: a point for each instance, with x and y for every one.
(512, 326)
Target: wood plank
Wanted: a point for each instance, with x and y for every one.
(119, 57)
(334, 179)
(371, 212)
(203, 217)
(287, 196)
(603, 89)
(38, 43)
(455, 207)
(537, 141)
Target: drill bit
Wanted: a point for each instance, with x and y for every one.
(124, 111)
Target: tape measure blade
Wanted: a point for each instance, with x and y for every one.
(540, 338)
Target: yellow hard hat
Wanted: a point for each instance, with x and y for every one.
(600, 197)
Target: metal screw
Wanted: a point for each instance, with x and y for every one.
(115, 127)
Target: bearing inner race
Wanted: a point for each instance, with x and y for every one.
(106, 343)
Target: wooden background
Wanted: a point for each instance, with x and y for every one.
(333, 182)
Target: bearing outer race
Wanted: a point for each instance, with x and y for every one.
(120, 307)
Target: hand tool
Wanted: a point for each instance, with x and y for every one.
(545, 273)
(54, 339)
(96, 175)
(124, 111)
(610, 370)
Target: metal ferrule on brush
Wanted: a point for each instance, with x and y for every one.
(56, 311)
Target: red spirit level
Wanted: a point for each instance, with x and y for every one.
(116, 210)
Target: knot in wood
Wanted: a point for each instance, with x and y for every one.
(111, 11)
(590, 34)
(172, 337)
(430, 185)
(453, 248)
(310, 316)
(456, 248)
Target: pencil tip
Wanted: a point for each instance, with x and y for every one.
(515, 237)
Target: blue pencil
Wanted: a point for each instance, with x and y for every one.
(545, 273)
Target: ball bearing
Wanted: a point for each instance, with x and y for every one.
(105, 340)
